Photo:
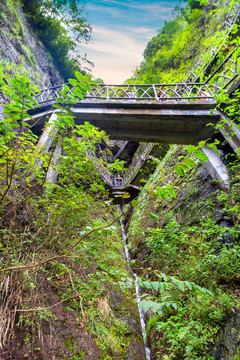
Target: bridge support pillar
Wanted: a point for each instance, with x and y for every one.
(216, 168)
(52, 173)
(46, 139)
(231, 133)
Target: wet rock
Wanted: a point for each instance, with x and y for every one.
(227, 346)
(135, 351)
(226, 239)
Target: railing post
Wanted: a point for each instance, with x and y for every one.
(155, 92)
(107, 92)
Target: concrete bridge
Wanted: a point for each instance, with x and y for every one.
(164, 113)
(168, 122)
(167, 113)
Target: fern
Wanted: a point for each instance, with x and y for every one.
(157, 304)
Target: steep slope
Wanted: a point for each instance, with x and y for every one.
(194, 237)
(19, 45)
(61, 292)
(184, 229)
(196, 28)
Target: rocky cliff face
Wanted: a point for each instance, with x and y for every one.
(19, 45)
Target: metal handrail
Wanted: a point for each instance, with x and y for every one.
(220, 78)
(137, 164)
(226, 72)
(230, 21)
(137, 92)
(159, 92)
(101, 170)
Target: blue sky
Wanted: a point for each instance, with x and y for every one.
(121, 31)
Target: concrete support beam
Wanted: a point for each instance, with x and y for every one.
(120, 150)
(168, 122)
(52, 173)
(46, 139)
(216, 168)
(231, 133)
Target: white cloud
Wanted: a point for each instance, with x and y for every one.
(141, 31)
(121, 31)
(113, 12)
(155, 9)
(116, 53)
(118, 9)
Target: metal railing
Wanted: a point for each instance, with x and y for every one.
(130, 172)
(136, 92)
(137, 163)
(226, 72)
(105, 175)
(162, 92)
(223, 76)
(201, 65)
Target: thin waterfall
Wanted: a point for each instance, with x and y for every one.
(137, 292)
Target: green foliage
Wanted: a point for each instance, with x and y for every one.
(164, 288)
(53, 22)
(73, 347)
(186, 338)
(190, 244)
(191, 234)
(180, 42)
(17, 30)
(79, 264)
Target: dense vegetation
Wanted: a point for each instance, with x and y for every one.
(187, 227)
(62, 266)
(60, 249)
(61, 25)
(191, 233)
(169, 55)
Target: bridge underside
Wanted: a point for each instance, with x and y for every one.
(171, 122)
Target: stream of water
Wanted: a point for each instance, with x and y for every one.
(141, 313)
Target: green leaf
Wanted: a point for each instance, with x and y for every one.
(78, 93)
(164, 276)
(146, 305)
(79, 76)
(66, 88)
(171, 192)
(153, 216)
(85, 86)
(73, 82)
(201, 156)
(174, 305)
(59, 100)
(179, 170)
(134, 202)
(189, 162)
(188, 285)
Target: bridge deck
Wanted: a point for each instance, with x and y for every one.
(168, 121)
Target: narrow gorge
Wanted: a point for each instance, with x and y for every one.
(119, 207)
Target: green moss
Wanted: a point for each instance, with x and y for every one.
(12, 8)
(29, 55)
